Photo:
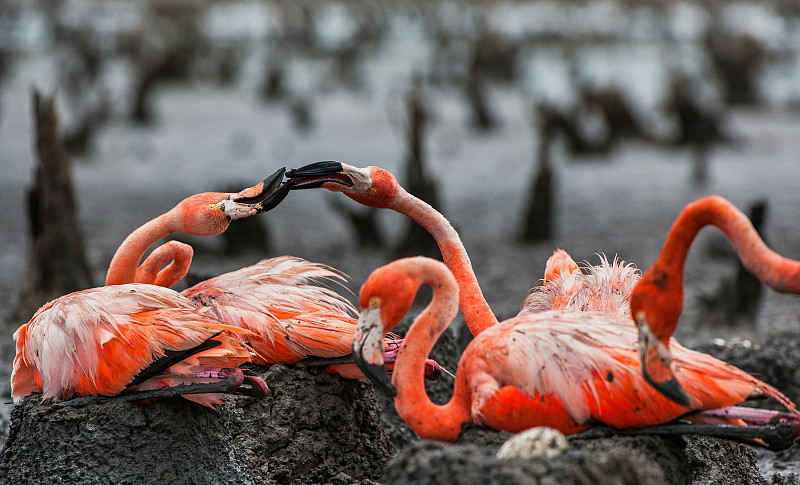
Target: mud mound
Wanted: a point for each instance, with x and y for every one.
(429, 462)
(621, 460)
(312, 428)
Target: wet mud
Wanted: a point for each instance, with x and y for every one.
(312, 428)
(622, 460)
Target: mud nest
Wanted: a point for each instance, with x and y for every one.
(312, 428)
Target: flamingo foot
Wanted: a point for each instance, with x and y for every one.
(253, 386)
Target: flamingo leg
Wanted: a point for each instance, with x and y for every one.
(775, 437)
(234, 381)
(755, 416)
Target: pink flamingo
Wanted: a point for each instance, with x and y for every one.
(283, 302)
(657, 300)
(568, 369)
(135, 337)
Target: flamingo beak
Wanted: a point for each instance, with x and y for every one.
(260, 198)
(315, 175)
(655, 360)
(368, 349)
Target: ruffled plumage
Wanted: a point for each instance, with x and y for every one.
(287, 305)
(588, 364)
(606, 287)
(572, 356)
(95, 341)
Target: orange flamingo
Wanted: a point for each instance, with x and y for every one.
(657, 300)
(567, 369)
(283, 302)
(135, 337)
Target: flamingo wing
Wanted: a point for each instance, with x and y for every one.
(567, 369)
(96, 341)
(288, 306)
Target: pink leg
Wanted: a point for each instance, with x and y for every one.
(772, 429)
(233, 381)
(753, 416)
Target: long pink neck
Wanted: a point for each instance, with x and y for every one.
(426, 418)
(476, 311)
(779, 273)
(152, 270)
(126, 260)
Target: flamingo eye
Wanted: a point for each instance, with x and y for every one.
(372, 192)
(375, 302)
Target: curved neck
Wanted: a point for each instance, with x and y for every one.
(658, 296)
(126, 260)
(779, 273)
(426, 418)
(476, 311)
(152, 270)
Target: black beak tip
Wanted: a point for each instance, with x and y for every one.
(276, 197)
(326, 167)
(671, 389)
(386, 388)
(275, 178)
(273, 182)
(270, 186)
(376, 373)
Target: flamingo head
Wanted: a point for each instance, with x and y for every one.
(385, 298)
(210, 213)
(370, 186)
(560, 263)
(656, 305)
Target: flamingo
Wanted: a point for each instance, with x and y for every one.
(657, 299)
(283, 302)
(133, 337)
(565, 368)
(140, 336)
